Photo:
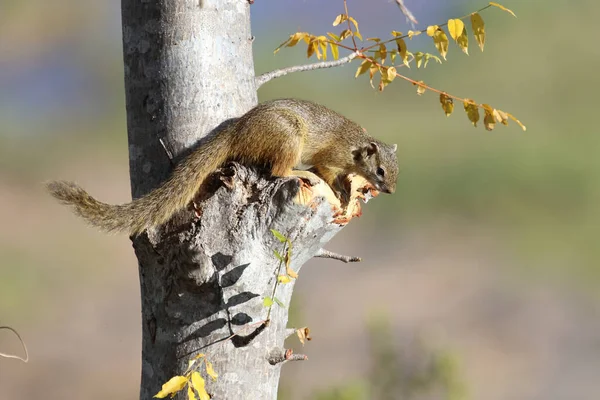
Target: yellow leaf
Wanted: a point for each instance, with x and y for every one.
(199, 356)
(335, 52)
(382, 85)
(487, 108)
(488, 120)
(431, 29)
(383, 52)
(419, 58)
(463, 42)
(191, 394)
(396, 33)
(402, 50)
(345, 33)
(199, 385)
(455, 28)
(292, 40)
(502, 8)
(303, 334)
(372, 71)
(296, 37)
(391, 73)
(313, 47)
(357, 33)
(447, 103)
(174, 385)
(323, 45)
(517, 121)
(478, 29)
(210, 370)
(458, 32)
(427, 58)
(374, 39)
(333, 36)
(440, 40)
(291, 273)
(420, 88)
(339, 19)
(472, 111)
(280, 46)
(283, 279)
(413, 33)
(501, 116)
(364, 67)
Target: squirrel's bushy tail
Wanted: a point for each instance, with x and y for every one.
(156, 207)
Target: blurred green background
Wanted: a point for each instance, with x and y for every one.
(487, 254)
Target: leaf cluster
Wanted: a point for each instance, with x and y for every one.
(375, 55)
(196, 386)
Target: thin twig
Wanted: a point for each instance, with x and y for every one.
(335, 256)
(266, 77)
(409, 15)
(22, 344)
(421, 31)
(290, 332)
(349, 26)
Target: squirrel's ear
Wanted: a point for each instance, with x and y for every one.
(372, 148)
(394, 147)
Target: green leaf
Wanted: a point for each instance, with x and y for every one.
(267, 302)
(278, 255)
(279, 236)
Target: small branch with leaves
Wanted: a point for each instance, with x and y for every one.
(375, 55)
(192, 378)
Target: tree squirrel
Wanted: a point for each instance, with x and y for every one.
(283, 133)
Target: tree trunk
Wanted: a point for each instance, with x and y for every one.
(188, 68)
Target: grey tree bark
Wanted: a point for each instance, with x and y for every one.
(188, 68)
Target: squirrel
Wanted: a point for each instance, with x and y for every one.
(282, 133)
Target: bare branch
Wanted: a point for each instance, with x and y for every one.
(266, 77)
(335, 256)
(22, 344)
(278, 355)
(409, 15)
(289, 332)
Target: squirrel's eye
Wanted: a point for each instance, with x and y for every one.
(380, 172)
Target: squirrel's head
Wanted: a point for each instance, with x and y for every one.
(378, 163)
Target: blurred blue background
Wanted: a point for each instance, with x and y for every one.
(489, 248)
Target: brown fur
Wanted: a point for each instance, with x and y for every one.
(280, 133)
